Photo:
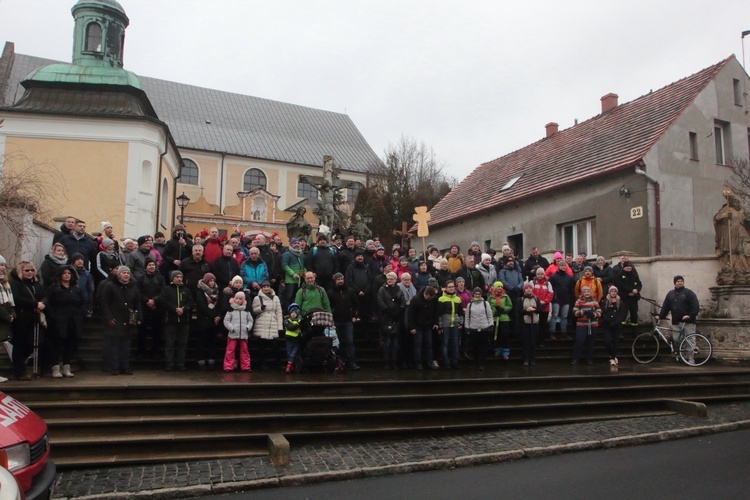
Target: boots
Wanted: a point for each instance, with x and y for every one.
(66, 371)
(289, 367)
(56, 371)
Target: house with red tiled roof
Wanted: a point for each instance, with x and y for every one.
(644, 176)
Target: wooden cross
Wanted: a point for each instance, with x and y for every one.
(404, 234)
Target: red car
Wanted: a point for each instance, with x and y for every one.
(24, 448)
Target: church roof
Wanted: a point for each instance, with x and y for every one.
(609, 142)
(224, 122)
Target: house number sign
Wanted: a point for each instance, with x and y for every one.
(636, 212)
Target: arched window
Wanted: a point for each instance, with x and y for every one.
(352, 192)
(189, 174)
(93, 38)
(305, 190)
(254, 178)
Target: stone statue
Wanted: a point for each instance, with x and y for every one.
(359, 229)
(298, 227)
(327, 186)
(732, 226)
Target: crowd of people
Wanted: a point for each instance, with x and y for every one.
(242, 299)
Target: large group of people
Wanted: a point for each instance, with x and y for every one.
(242, 298)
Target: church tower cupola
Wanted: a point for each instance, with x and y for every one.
(99, 33)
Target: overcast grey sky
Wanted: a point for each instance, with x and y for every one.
(473, 79)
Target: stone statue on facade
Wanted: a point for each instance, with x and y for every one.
(328, 187)
(298, 227)
(732, 226)
(359, 228)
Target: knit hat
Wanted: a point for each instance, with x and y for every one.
(107, 242)
(208, 277)
(626, 264)
(105, 225)
(236, 278)
(369, 242)
(613, 287)
(678, 277)
(588, 268)
(175, 273)
(474, 243)
(557, 255)
(122, 269)
(430, 245)
(148, 261)
(476, 290)
(293, 241)
(460, 279)
(528, 285)
(486, 256)
(75, 257)
(142, 240)
(338, 276)
(322, 237)
(265, 283)
(540, 270)
(178, 227)
(491, 252)
(433, 282)
(497, 284)
(239, 296)
(294, 307)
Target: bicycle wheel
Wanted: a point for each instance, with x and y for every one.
(695, 349)
(645, 348)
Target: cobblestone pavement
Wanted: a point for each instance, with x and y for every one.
(350, 461)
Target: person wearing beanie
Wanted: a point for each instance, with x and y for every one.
(475, 251)
(562, 287)
(603, 272)
(269, 325)
(501, 306)
(451, 321)
(119, 302)
(682, 304)
(293, 266)
(150, 286)
(455, 258)
(613, 313)
(238, 321)
(108, 232)
(588, 279)
(176, 249)
(136, 260)
(107, 259)
(487, 270)
(552, 268)
(587, 312)
(629, 288)
(207, 321)
(544, 294)
(345, 307)
(529, 324)
(177, 303)
(292, 332)
(478, 325)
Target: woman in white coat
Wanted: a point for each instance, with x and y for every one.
(269, 323)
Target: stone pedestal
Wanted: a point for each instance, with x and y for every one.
(726, 322)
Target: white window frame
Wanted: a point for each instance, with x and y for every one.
(722, 135)
(589, 225)
(181, 180)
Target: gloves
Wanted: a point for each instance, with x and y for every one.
(590, 314)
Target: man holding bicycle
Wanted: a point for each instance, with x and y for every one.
(683, 304)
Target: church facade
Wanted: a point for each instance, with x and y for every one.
(122, 148)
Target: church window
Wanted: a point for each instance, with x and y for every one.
(305, 190)
(352, 192)
(93, 38)
(254, 178)
(189, 173)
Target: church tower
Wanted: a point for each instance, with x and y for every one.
(99, 33)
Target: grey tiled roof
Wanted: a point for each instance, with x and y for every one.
(239, 124)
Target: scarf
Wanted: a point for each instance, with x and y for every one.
(60, 261)
(6, 295)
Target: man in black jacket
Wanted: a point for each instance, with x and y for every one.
(421, 321)
(683, 304)
(344, 305)
(177, 303)
(323, 261)
(225, 267)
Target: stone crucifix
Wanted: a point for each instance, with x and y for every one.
(327, 185)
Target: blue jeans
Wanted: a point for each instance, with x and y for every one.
(558, 312)
(450, 346)
(292, 346)
(345, 331)
(584, 338)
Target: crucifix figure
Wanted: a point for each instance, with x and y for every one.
(404, 234)
(327, 186)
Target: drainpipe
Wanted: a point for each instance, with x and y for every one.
(657, 208)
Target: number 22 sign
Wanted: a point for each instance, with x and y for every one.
(636, 212)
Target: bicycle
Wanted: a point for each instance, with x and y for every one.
(693, 349)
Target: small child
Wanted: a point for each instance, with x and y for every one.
(291, 335)
(238, 323)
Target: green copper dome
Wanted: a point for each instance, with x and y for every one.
(95, 75)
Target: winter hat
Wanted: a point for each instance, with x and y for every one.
(265, 283)
(175, 273)
(588, 268)
(322, 237)
(75, 257)
(236, 278)
(486, 256)
(122, 269)
(601, 258)
(540, 270)
(430, 245)
(626, 264)
(476, 290)
(338, 276)
(294, 307)
(379, 247)
(528, 285)
(142, 240)
(613, 287)
(208, 277)
(474, 243)
(505, 247)
(491, 252)
(497, 284)
(178, 227)
(678, 277)
(148, 261)
(557, 255)
(105, 225)
(293, 241)
(433, 282)
(239, 298)
(369, 242)
(460, 279)
(107, 242)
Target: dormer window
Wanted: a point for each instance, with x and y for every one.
(93, 38)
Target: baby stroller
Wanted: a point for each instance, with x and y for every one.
(318, 343)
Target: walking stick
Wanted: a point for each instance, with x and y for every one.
(35, 362)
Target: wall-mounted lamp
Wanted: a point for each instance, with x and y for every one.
(624, 192)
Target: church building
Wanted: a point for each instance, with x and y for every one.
(125, 149)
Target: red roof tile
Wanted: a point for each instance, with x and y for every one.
(606, 143)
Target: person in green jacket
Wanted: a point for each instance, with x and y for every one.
(312, 296)
(501, 305)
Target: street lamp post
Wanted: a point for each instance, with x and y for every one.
(182, 202)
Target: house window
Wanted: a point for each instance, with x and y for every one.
(253, 179)
(721, 142)
(509, 184)
(737, 92)
(93, 38)
(579, 237)
(693, 146)
(352, 192)
(305, 190)
(189, 173)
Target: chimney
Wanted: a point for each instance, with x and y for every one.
(551, 128)
(609, 102)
